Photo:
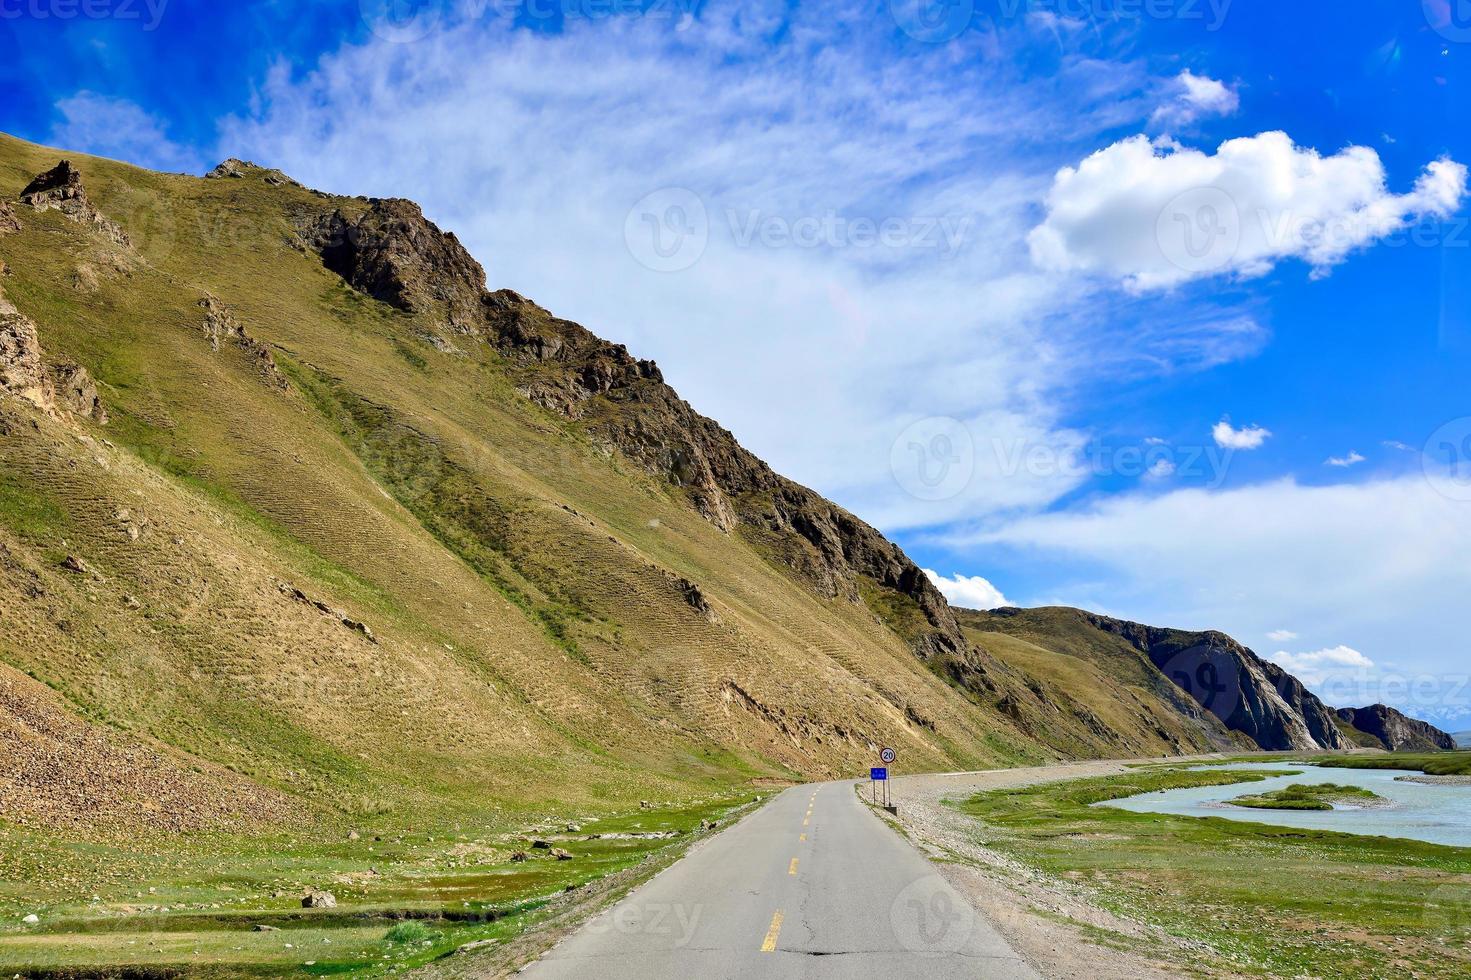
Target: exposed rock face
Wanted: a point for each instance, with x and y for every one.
(22, 370)
(1397, 731)
(220, 325)
(9, 223)
(394, 254)
(1246, 693)
(60, 188)
(76, 392)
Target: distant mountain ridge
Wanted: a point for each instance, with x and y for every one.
(1396, 731)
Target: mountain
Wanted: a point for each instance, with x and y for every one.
(1221, 680)
(298, 519)
(1390, 729)
(1463, 740)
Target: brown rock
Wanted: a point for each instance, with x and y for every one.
(319, 900)
(60, 188)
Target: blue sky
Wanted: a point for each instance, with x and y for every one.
(877, 228)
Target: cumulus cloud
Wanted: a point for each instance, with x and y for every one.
(1353, 458)
(1154, 215)
(1281, 636)
(969, 591)
(107, 126)
(1191, 97)
(1246, 437)
(1322, 666)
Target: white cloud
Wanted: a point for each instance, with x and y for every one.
(1161, 468)
(969, 591)
(1343, 462)
(1376, 563)
(1192, 97)
(856, 341)
(1281, 636)
(1323, 667)
(1154, 215)
(1246, 437)
(103, 125)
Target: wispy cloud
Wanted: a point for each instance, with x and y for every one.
(1246, 437)
(1190, 97)
(1353, 458)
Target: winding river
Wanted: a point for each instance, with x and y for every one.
(1438, 814)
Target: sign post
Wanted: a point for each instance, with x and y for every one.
(887, 757)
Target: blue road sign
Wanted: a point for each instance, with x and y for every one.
(878, 773)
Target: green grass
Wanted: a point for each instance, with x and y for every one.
(1300, 796)
(1431, 763)
(405, 897)
(1272, 901)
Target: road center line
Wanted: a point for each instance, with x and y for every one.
(769, 946)
(793, 868)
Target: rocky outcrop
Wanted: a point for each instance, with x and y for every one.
(60, 189)
(77, 393)
(391, 252)
(241, 169)
(221, 326)
(1248, 694)
(9, 223)
(22, 371)
(1396, 731)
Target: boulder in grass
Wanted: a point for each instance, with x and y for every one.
(319, 900)
(561, 855)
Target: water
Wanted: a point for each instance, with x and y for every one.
(1438, 814)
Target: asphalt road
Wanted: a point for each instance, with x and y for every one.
(812, 885)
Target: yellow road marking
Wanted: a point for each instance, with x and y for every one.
(803, 838)
(793, 868)
(769, 946)
(806, 820)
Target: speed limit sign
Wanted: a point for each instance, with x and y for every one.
(888, 756)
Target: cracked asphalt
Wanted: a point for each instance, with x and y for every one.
(812, 885)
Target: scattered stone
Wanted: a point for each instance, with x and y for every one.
(561, 855)
(265, 928)
(477, 944)
(353, 835)
(541, 845)
(572, 828)
(518, 857)
(645, 805)
(31, 919)
(74, 564)
(319, 900)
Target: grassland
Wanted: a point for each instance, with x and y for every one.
(1300, 796)
(1270, 901)
(224, 906)
(1430, 763)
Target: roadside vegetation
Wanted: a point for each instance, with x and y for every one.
(1270, 901)
(213, 905)
(1430, 763)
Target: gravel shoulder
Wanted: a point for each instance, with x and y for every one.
(1049, 921)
